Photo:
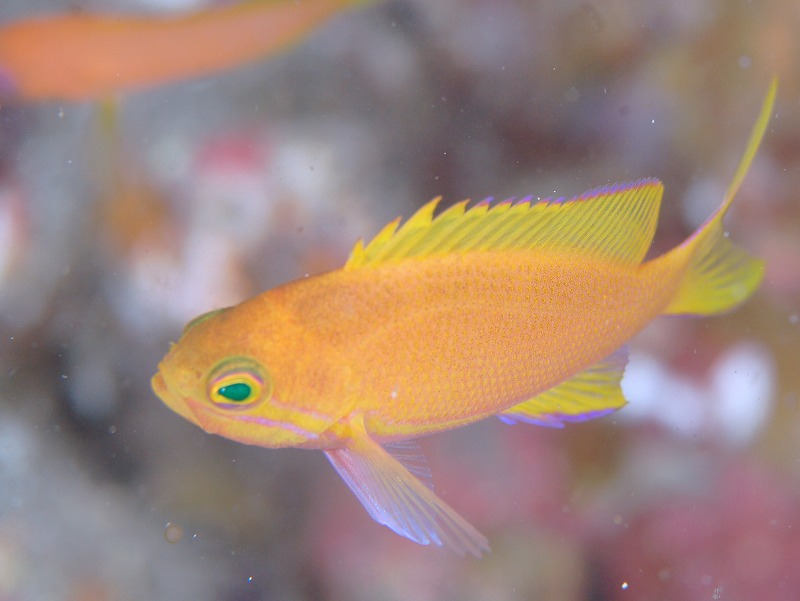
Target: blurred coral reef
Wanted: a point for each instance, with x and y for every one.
(120, 223)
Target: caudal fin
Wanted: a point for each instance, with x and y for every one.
(720, 275)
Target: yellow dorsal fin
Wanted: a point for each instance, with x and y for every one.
(615, 222)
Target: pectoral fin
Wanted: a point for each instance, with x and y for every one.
(589, 394)
(394, 497)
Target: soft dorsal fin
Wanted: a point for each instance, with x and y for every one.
(614, 222)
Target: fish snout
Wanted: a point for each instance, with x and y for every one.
(172, 398)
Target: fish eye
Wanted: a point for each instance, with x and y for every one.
(238, 383)
(238, 392)
(202, 317)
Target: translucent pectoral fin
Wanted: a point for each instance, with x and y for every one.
(589, 394)
(396, 498)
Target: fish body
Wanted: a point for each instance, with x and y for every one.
(516, 310)
(82, 56)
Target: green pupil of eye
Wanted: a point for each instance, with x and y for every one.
(235, 392)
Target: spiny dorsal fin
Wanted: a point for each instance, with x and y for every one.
(614, 222)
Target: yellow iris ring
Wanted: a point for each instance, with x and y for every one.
(238, 383)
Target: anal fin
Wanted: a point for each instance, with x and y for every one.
(591, 393)
(394, 497)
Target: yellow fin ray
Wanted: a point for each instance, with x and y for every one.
(490, 236)
(439, 230)
(447, 230)
(359, 253)
(615, 222)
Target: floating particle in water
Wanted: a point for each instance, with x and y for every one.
(624, 586)
(173, 533)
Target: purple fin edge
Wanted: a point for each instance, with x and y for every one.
(554, 420)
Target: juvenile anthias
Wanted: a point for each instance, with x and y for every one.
(516, 310)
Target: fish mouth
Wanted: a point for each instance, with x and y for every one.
(172, 399)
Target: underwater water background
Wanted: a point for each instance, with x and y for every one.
(120, 223)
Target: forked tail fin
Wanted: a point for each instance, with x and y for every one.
(720, 275)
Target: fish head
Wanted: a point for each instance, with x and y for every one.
(239, 383)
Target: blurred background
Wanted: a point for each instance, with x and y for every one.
(122, 218)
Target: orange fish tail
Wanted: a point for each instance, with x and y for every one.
(718, 275)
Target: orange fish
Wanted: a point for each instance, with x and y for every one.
(515, 310)
(88, 56)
